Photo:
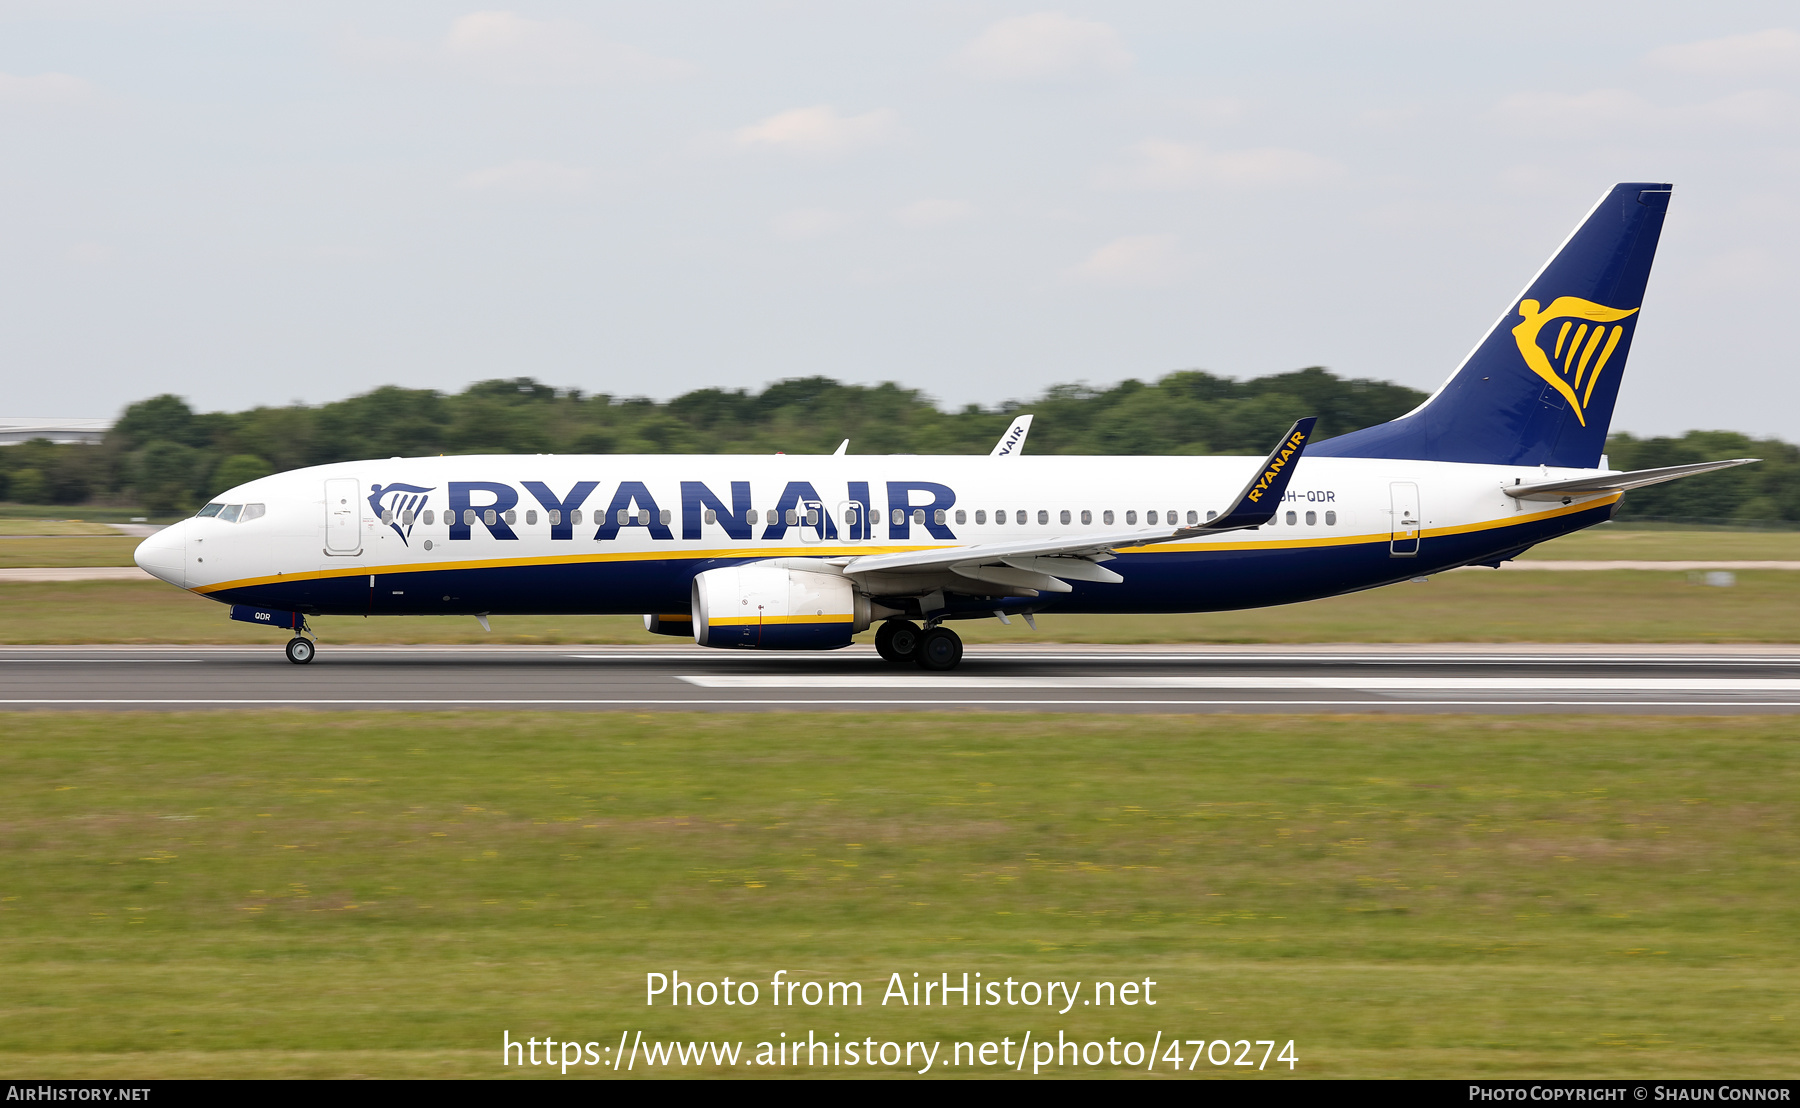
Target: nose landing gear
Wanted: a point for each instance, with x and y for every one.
(302, 647)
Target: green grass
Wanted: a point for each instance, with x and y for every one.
(1612, 542)
(67, 551)
(53, 527)
(382, 894)
(1473, 606)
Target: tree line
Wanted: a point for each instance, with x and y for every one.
(167, 458)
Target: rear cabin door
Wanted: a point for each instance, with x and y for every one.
(343, 516)
(1404, 542)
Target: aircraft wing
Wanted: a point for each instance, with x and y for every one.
(1617, 482)
(1012, 443)
(1038, 563)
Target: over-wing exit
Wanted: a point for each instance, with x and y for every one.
(799, 552)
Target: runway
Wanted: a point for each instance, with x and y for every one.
(1484, 679)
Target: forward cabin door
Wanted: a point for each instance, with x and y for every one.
(343, 516)
(1404, 541)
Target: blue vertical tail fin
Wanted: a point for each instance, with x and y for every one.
(1539, 388)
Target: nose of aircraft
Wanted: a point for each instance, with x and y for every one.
(164, 555)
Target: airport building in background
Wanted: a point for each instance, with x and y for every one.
(15, 430)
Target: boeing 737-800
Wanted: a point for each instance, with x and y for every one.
(796, 552)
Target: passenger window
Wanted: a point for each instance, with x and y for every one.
(1000, 517)
(1064, 517)
(981, 515)
(623, 517)
(939, 517)
(1312, 518)
(209, 510)
(387, 515)
(1331, 519)
(229, 513)
(712, 516)
(1131, 517)
(511, 518)
(430, 518)
(962, 517)
(1193, 518)
(793, 517)
(849, 515)
(575, 516)
(1106, 517)
(1210, 516)
(666, 516)
(749, 515)
(489, 517)
(1291, 520)
(252, 511)
(899, 517)
(1087, 517)
(1019, 517)
(468, 517)
(1149, 517)
(1173, 517)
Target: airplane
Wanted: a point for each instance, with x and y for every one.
(803, 552)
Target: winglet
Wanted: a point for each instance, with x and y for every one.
(842, 446)
(1013, 442)
(1257, 503)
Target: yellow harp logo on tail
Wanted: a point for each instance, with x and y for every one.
(1584, 344)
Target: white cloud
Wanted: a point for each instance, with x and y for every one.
(1776, 50)
(820, 130)
(509, 49)
(1047, 46)
(1131, 260)
(807, 223)
(1166, 165)
(1756, 109)
(934, 212)
(89, 253)
(1579, 116)
(530, 177)
(1574, 115)
(45, 89)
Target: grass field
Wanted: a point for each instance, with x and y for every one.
(10, 526)
(382, 894)
(1476, 606)
(71, 551)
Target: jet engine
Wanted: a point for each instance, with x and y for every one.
(777, 607)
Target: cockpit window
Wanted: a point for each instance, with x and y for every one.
(209, 510)
(229, 513)
(252, 511)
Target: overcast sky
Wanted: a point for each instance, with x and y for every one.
(252, 203)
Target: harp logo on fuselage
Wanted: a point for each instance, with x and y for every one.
(398, 506)
(1578, 351)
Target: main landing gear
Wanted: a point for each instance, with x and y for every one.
(937, 648)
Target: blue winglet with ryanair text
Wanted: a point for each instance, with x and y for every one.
(1257, 503)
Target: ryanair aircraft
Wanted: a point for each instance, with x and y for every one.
(797, 552)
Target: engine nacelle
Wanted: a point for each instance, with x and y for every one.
(680, 625)
(776, 607)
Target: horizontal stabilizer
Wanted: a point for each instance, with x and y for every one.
(1617, 482)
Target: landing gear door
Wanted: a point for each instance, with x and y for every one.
(1404, 541)
(343, 516)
